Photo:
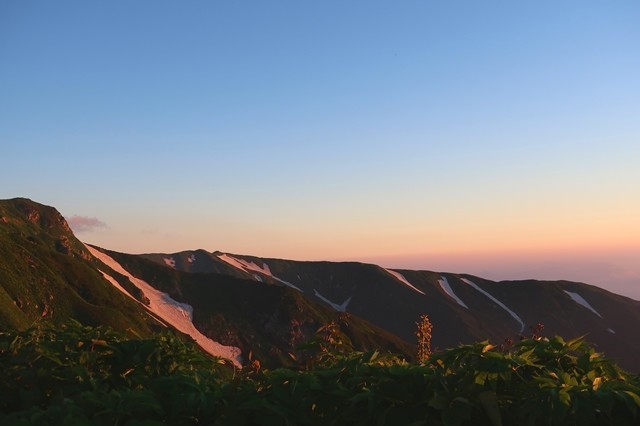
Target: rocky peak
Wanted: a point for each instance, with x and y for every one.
(39, 214)
(51, 227)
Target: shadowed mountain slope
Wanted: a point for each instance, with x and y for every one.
(462, 308)
(268, 320)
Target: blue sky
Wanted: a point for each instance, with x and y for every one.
(402, 132)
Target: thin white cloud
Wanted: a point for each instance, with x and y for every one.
(85, 223)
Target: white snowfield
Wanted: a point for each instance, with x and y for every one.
(191, 258)
(117, 285)
(339, 308)
(611, 331)
(249, 267)
(497, 302)
(179, 315)
(444, 284)
(403, 280)
(170, 261)
(580, 301)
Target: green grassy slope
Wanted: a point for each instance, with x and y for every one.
(46, 272)
(383, 299)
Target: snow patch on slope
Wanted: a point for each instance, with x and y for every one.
(580, 301)
(170, 261)
(339, 308)
(245, 265)
(179, 315)
(403, 280)
(611, 331)
(191, 258)
(497, 302)
(444, 284)
(116, 284)
(249, 267)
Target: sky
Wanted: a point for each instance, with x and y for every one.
(499, 138)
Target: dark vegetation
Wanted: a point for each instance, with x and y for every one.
(76, 374)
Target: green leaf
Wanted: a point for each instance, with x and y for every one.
(438, 402)
(480, 378)
(487, 347)
(634, 396)
(596, 383)
(564, 397)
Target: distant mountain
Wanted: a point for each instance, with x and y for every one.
(462, 308)
(242, 307)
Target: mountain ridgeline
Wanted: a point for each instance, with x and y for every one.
(461, 307)
(244, 307)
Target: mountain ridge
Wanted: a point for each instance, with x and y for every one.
(467, 307)
(69, 282)
(265, 306)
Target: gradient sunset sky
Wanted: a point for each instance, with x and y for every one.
(500, 138)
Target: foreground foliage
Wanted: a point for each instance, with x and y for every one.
(83, 375)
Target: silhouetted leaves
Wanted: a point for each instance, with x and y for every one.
(83, 375)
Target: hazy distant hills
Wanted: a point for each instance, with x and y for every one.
(239, 304)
